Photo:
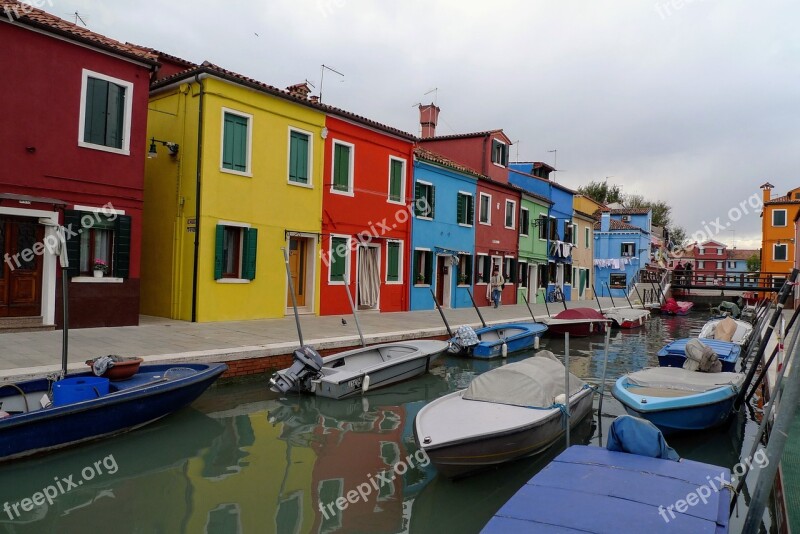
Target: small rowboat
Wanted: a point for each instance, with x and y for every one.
(579, 322)
(676, 307)
(627, 317)
(741, 336)
(496, 340)
(674, 354)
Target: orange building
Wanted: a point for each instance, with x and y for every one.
(778, 233)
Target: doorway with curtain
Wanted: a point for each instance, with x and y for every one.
(368, 282)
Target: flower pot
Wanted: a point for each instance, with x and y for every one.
(98, 274)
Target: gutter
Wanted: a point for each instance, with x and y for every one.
(198, 182)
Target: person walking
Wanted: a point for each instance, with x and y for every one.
(496, 282)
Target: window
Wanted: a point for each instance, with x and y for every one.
(424, 200)
(397, 180)
(778, 217)
(510, 270)
(394, 261)
(236, 141)
(511, 214)
(618, 280)
(465, 209)
(423, 267)
(485, 215)
(465, 269)
(483, 268)
(522, 274)
(541, 275)
(586, 237)
(102, 237)
(524, 222)
(552, 227)
(339, 267)
(628, 249)
(719, 265)
(299, 156)
(329, 491)
(779, 252)
(105, 113)
(342, 169)
(552, 272)
(569, 232)
(574, 234)
(702, 251)
(235, 254)
(499, 153)
(567, 275)
(777, 282)
(543, 226)
(719, 252)
(701, 264)
(731, 265)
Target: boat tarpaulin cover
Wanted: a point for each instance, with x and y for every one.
(677, 378)
(639, 436)
(533, 382)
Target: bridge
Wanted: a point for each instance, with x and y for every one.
(755, 281)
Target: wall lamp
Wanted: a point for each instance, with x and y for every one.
(172, 147)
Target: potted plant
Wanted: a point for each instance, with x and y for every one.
(462, 279)
(100, 268)
(420, 278)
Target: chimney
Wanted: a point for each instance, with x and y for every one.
(314, 99)
(428, 117)
(767, 187)
(605, 221)
(300, 90)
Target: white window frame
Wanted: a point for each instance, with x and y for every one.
(351, 168)
(400, 259)
(527, 229)
(426, 250)
(775, 247)
(785, 221)
(478, 281)
(513, 214)
(126, 136)
(348, 261)
(587, 237)
(310, 184)
(249, 172)
(719, 265)
(480, 209)
(701, 264)
(719, 251)
(401, 202)
(241, 226)
(467, 194)
(633, 244)
(540, 225)
(433, 192)
(508, 149)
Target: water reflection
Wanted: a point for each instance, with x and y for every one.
(246, 460)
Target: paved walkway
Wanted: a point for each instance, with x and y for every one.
(27, 354)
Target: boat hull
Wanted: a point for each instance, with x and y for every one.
(586, 329)
(674, 354)
(466, 457)
(524, 340)
(120, 411)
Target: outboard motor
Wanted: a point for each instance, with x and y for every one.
(464, 339)
(306, 366)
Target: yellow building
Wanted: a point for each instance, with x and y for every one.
(583, 253)
(236, 177)
(778, 233)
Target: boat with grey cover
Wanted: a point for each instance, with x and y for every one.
(510, 412)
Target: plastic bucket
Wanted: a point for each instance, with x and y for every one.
(71, 390)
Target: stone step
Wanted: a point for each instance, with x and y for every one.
(23, 324)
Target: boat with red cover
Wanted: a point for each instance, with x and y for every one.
(676, 307)
(579, 322)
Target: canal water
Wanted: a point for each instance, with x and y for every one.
(243, 459)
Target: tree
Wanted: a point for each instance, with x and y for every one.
(660, 209)
(754, 263)
(677, 235)
(602, 192)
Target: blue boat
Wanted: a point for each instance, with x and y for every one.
(72, 417)
(496, 340)
(678, 399)
(590, 489)
(674, 354)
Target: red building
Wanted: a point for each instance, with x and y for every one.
(709, 262)
(73, 136)
(497, 206)
(366, 215)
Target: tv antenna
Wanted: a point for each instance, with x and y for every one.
(322, 78)
(79, 18)
(435, 92)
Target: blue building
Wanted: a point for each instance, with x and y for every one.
(556, 227)
(736, 271)
(621, 249)
(443, 234)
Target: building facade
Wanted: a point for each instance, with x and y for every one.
(532, 249)
(710, 263)
(778, 233)
(584, 210)
(75, 156)
(621, 250)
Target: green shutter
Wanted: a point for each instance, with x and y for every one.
(393, 261)
(470, 210)
(249, 253)
(234, 144)
(417, 196)
(428, 267)
(341, 167)
(72, 222)
(122, 246)
(396, 180)
(115, 115)
(298, 157)
(460, 209)
(219, 252)
(432, 201)
(338, 265)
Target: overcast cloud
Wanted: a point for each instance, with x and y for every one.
(695, 105)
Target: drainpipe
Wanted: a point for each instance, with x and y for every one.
(483, 164)
(198, 182)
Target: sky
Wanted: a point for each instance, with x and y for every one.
(693, 102)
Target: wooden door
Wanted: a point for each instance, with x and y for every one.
(297, 268)
(440, 269)
(21, 273)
